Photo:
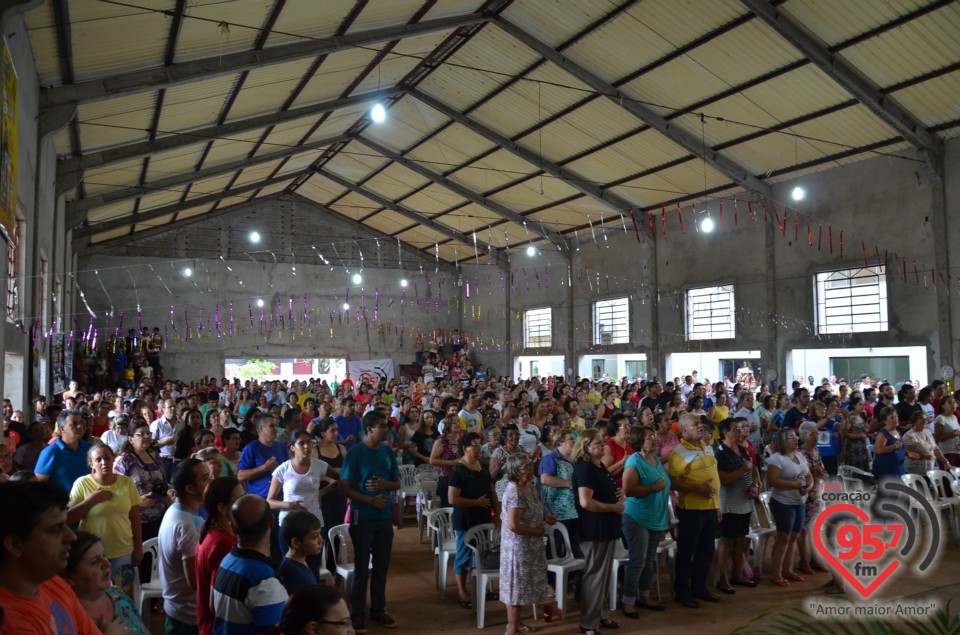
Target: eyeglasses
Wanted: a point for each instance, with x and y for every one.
(344, 625)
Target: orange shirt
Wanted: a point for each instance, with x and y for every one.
(55, 610)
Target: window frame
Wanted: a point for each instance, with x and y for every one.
(714, 333)
(615, 340)
(527, 340)
(822, 286)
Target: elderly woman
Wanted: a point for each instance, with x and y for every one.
(107, 504)
(472, 495)
(922, 450)
(556, 479)
(509, 446)
(809, 434)
(646, 486)
(739, 487)
(788, 475)
(138, 462)
(600, 505)
(855, 437)
(523, 561)
(88, 573)
(444, 455)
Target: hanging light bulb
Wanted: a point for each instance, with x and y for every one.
(798, 193)
(187, 272)
(259, 301)
(403, 283)
(346, 307)
(707, 224)
(378, 113)
(531, 251)
(357, 278)
(254, 237)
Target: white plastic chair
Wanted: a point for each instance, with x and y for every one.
(426, 472)
(323, 575)
(945, 488)
(620, 558)
(760, 535)
(854, 479)
(444, 546)
(562, 565)
(152, 588)
(427, 501)
(480, 540)
(340, 542)
(408, 486)
(919, 484)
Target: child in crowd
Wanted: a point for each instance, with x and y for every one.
(301, 533)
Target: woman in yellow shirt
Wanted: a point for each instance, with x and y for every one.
(719, 412)
(107, 505)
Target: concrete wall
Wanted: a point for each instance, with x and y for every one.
(36, 203)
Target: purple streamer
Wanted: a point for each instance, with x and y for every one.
(546, 276)
(250, 309)
(376, 305)
(70, 339)
(537, 274)
(231, 318)
(503, 284)
(216, 319)
(526, 279)
(468, 287)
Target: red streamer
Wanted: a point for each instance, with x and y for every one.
(653, 228)
(663, 220)
(903, 269)
(783, 228)
(636, 230)
(830, 232)
(736, 213)
(917, 273)
(820, 238)
(764, 200)
(796, 227)
(878, 255)
(680, 218)
(753, 216)
(720, 220)
(809, 235)
(866, 262)
(841, 243)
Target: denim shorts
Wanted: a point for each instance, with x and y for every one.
(789, 518)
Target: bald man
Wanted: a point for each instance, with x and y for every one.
(247, 595)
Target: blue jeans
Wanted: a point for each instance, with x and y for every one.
(642, 544)
(464, 558)
(695, 536)
(370, 537)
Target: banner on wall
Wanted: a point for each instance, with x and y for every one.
(373, 371)
(8, 143)
(61, 372)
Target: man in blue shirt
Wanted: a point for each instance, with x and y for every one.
(349, 424)
(257, 463)
(247, 595)
(369, 473)
(65, 460)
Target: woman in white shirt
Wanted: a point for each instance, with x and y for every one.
(947, 431)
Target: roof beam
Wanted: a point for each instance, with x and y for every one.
(492, 205)
(199, 70)
(414, 216)
(77, 210)
(847, 76)
(109, 156)
(691, 143)
(572, 179)
(160, 212)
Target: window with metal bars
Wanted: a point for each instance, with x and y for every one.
(537, 328)
(851, 300)
(611, 321)
(710, 313)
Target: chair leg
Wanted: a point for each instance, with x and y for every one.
(561, 591)
(612, 590)
(481, 603)
(444, 565)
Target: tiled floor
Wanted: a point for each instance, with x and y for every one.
(414, 602)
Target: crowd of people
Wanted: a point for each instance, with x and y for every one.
(240, 484)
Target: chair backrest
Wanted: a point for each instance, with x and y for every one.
(956, 472)
(562, 549)
(481, 539)
(918, 483)
(671, 513)
(943, 483)
(339, 537)
(407, 478)
(765, 505)
(428, 489)
(152, 547)
(426, 472)
(441, 522)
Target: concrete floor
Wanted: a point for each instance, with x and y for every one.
(414, 602)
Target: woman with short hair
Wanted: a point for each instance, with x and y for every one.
(138, 462)
(789, 478)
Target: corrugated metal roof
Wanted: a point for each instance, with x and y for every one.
(733, 48)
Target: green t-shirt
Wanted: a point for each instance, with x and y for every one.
(650, 510)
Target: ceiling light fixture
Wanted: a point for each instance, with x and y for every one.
(531, 251)
(260, 302)
(798, 193)
(357, 278)
(187, 271)
(403, 283)
(346, 307)
(254, 237)
(378, 113)
(707, 225)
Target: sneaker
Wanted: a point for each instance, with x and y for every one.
(359, 626)
(383, 620)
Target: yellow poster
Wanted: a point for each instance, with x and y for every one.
(8, 143)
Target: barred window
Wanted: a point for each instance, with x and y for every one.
(537, 328)
(710, 313)
(611, 321)
(851, 300)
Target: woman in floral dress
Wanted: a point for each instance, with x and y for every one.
(523, 561)
(855, 437)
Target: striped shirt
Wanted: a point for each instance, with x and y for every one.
(247, 595)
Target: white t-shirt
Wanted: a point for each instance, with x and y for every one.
(529, 438)
(428, 370)
(930, 414)
(113, 439)
(177, 541)
(950, 446)
(302, 487)
(789, 471)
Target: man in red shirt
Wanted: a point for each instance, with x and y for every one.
(35, 542)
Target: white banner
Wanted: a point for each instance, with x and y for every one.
(373, 371)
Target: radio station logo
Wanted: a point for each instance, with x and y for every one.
(867, 539)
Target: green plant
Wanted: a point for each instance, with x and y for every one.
(778, 620)
(259, 369)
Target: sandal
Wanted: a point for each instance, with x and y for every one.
(747, 583)
(608, 623)
(805, 569)
(467, 604)
(781, 582)
(527, 629)
(793, 577)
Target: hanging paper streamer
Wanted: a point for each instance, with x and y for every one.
(736, 212)
(663, 221)
(593, 233)
(636, 230)
(250, 309)
(796, 227)
(376, 305)
(503, 283)
(83, 297)
(546, 276)
(810, 239)
(680, 219)
(866, 261)
(830, 238)
(97, 273)
(468, 287)
(216, 319)
(820, 237)
(231, 318)
(763, 200)
(841, 243)
(623, 221)
(536, 275)
(720, 218)
(653, 227)
(753, 216)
